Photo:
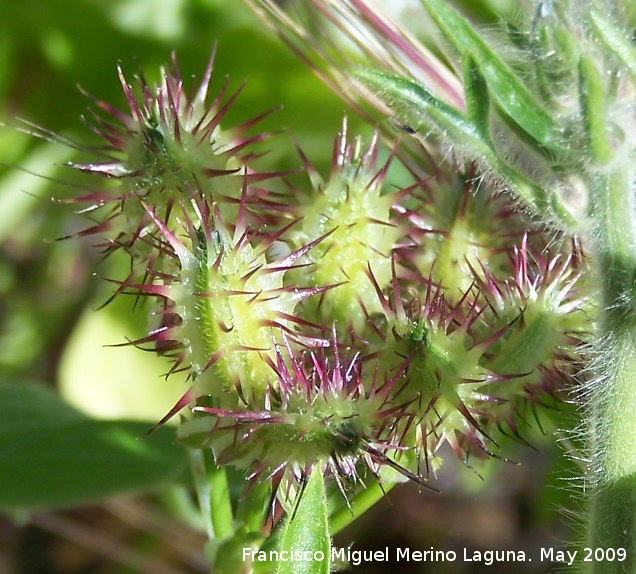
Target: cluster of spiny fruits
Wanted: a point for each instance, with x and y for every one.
(347, 324)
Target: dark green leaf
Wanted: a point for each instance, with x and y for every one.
(54, 456)
(477, 98)
(510, 93)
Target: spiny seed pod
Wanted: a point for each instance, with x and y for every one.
(168, 145)
(231, 303)
(354, 210)
(448, 383)
(549, 313)
(461, 230)
(473, 365)
(324, 411)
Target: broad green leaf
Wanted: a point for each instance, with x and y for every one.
(307, 530)
(54, 456)
(510, 93)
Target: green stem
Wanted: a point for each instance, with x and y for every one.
(251, 512)
(613, 398)
(221, 510)
(213, 493)
(364, 500)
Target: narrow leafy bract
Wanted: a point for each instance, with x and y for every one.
(307, 531)
(510, 93)
(477, 98)
(615, 40)
(415, 104)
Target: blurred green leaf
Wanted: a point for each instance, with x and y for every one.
(21, 190)
(593, 106)
(614, 38)
(108, 382)
(54, 456)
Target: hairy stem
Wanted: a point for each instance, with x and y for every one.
(613, 398)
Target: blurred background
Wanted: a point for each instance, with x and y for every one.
(51, 334)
